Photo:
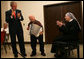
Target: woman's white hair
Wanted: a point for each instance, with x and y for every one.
(71, 15)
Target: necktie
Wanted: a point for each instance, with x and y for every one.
(14, 15)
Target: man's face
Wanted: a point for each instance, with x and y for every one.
(14, 7)
(31, 18)
(5, 26)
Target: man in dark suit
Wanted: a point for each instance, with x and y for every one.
(13, 18)
(70, 32)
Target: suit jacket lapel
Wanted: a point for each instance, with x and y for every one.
(10, 11)
(16, 13)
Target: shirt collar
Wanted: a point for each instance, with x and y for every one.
(15, 10)
(71, 20)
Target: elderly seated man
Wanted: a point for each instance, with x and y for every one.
(6, 30)
(4, 33)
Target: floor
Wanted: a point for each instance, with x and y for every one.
(28, 51)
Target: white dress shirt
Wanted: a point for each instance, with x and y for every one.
(6, 30)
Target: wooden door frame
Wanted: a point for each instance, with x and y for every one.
(63, 3)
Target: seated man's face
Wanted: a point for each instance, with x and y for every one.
(5, 26)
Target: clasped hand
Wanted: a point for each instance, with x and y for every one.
(18, 14)
(59, 23)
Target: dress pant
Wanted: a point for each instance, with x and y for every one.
(34, 42)
(19, 33)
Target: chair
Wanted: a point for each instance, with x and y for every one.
(6, 39)
(3, 40)
(73, 45)
(69, 46)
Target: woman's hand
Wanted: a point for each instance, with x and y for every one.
(59, 23)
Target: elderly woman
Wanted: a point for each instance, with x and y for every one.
(70, 33)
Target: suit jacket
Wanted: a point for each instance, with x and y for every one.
(14, 24)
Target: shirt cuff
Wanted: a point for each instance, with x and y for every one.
(41, 29)
(20, 18)
(11, 17)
